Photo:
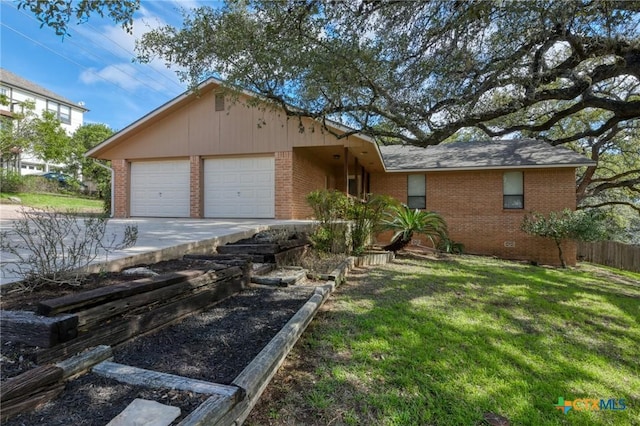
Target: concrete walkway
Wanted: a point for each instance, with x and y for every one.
(159, 237)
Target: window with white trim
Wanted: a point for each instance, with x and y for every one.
(61, 112)
(417, 191)
(513, 190)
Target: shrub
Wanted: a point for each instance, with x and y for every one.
(330, 210)
(34, 183)
(10, 181)
(407, 222)
(449, 246)
(366, 216)
(49, 246)
(566, 225)
(104, 189)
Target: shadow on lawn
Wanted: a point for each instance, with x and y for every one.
(537, 334)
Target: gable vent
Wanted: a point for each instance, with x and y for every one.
(219, 102)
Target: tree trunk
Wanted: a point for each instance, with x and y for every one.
(562, 262)
(397, 244)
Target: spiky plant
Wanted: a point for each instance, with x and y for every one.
(407, 222)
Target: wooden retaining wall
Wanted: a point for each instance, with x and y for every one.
(70, 324)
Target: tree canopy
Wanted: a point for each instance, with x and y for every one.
(426, 72)
(57, 14)
(426, 69)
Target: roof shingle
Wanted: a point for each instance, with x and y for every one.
(480, 155)
(11, 79)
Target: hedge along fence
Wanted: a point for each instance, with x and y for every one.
(611, 253)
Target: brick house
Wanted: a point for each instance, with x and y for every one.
(207, 155)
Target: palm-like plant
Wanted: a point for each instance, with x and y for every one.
(407, 222)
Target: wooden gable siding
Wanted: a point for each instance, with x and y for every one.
(195, 128)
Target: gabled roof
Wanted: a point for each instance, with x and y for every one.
(210, 83)
(11, 79)
(504, 154)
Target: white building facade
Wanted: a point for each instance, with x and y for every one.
(17, 91)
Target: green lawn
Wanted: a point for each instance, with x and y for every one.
(58, 202)
(422, 342)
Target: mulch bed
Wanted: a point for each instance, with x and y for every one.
(220, 342)
(93, 400)
(213, 345)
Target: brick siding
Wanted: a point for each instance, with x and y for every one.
(471, 203)
(307, 177)
(121, 183)
(284, 185)
(195, 187)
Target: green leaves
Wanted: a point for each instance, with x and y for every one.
(566, 225)
(57, 14)
(407, 222)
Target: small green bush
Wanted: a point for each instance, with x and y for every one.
(406, 222)
(34, 183)
(330, 210)
(366, 216)
(449, 246)
(10, 181)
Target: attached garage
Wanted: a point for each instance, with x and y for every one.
(160, 188)
(241, 187)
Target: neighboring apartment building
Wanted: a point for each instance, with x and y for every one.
(18, 90)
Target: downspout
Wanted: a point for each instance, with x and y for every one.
(112, 183)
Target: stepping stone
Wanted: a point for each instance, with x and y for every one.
(144, 412)
(141, 271)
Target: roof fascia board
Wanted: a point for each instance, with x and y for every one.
(461, 169)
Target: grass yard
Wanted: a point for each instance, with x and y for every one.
(59, 202)
(465, 341)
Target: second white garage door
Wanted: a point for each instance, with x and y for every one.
(239, 187)
(160, 188)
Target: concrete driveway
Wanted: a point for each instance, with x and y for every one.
(160, 238)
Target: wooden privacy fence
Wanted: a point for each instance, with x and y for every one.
(610, 253)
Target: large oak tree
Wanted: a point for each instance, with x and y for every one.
(567, 72)
(422, 73)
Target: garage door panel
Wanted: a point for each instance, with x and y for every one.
(239, 187)
(160, 188)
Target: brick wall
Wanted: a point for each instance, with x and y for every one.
(283, 185)
(121, 170)
(307, 176)
(195, 186)
(471, 203)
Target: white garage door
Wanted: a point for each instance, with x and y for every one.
(239, 187)
(160, 188)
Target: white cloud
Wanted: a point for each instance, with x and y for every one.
(122, 75)
(114, 42)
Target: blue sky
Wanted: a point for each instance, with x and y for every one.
(94, 65)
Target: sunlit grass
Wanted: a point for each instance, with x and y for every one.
(445, 342)
(58, 202)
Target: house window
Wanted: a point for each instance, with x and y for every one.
(219, 102)
(60, 112)
(65, 114)
(513, 190)
(417, 191)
